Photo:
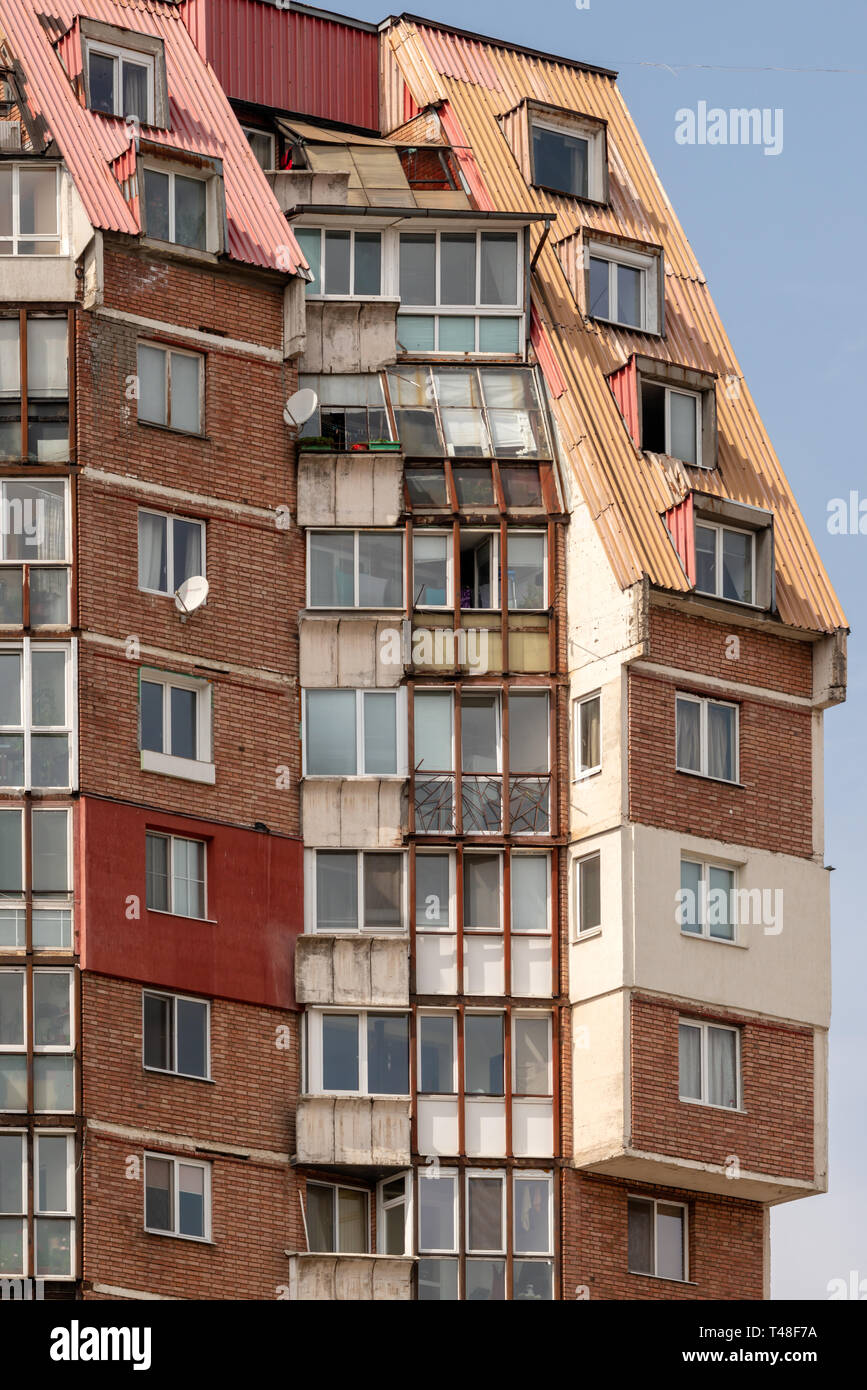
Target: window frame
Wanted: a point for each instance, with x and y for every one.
(383, 1206)
(580, 127)
(36, 237)
(452, 1016)
(168, 353)
(41, 901)
(356, 534)
(580, 773)
(174, 1071)
(212, 179)
(486, 1175)
(25, 646)
(655, 1202)
(315, 1050)
(170, 911)
(719, 529)
(170, 517)
(398, 696)
(264, 135)
(704, 1026)
(201, 768)
(336, 1188)
(580, 932)
(533, 1015)
(310, 894)
(647, 264)
(177, 1162)
(704, 866)
(322, 296)
(29, 1048)
(477, 311)
(69, 1212)
(121, 54)
(704, 701)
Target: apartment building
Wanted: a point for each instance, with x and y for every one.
(437, 911)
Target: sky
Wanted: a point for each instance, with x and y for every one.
(780, 238)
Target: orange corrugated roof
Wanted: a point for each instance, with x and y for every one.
(627, 491)
(201, 120)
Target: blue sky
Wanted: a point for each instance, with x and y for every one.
(780, 240)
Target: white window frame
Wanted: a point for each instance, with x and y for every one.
(169, 518)
(335, 1188)
(704, 1026)
(213, 207)
(581, 933)
(310, 903)
(654, 1202)
(37, 237)
(533, 1175)
(532, 1014)
(579, 130)
(704, 866)
(168, 353)
(648, 265)
(18, 1048)
(696, 396)
(355, 606)
(431, 1175)
(264, 135)
(9, 562)
(496, 574)
(477, 852)
(40, 902)
(170, 910)
(718, 529)
(486, 1175)
(57, 1049)
(177, 1162)
(442, 852)
(315, 1017)
(202, 767)
(174, 1071)
(20, 1134)
(522, 531)
(69, 1213)
(447, 536)
(526, 853)
(438, 1013)
(384, 276)
(121, 55)
(382, 1206)
(26, 646)
(581, 772)
(704, 701)
(476, 311)
(398, 694)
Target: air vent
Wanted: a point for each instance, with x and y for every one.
(10, 135)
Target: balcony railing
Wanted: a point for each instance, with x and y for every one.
(529, 809)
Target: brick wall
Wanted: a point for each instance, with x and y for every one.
(696, 644)
(774, 1135)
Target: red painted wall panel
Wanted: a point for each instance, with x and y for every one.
(244, 951)
(680, 521)
(624, 384)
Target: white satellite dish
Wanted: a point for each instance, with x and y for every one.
(191, 594)
(300, 407)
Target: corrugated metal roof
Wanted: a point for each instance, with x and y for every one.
(201, 122)
(627, 491)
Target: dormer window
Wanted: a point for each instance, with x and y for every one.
(568, 153)
(623, 284)
(668, 409)
(263, 145)
(671, 422)
(183, 202)
(725, 561)
(121, 82)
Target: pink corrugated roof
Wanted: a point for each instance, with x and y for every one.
(201, 121)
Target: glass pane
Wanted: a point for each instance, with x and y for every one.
(11, 1009)
(528, 732)
(320, 1217)
(387, 1054)
(669, 1241)
(689, 1054)
(11, 1246)
(48, 684)
(52, 1193)
(51, 1016)
(11, 760)
(152, 529)
(482, 892)
(683, 417)
(533, 1280)
(430, 570)
(436, 1054)
(437, 1281)
(52, 1083)
(37, 203)
(480, 744)
(380, 569)
(689, 735)
(352, 1237)
(395, 1230)
(340, 1052)
(499, 268)
(46, 358)
(336, 892)
(383, 888)
(526, 577)
(186, 550)
(12, 597)
(521, 486)
(721, 741)
(720, 917)
(705, 559)
(12, 931)
(483, 1045)
(380, 733)
(590, 751)
(630, 293)
(367, 263)
(50, 852)
(49, 598)
(182, 704)
(158, 1194)
(457, 333)
(737, 562)
(426, 487)
(158, 1049)
(192, 1027)
(157, 872)
(436, 1197)
(529, 873)
(457, 268)
(52, 929)
(599, 288)
(417, 269)
(415, 333)
(330, 737)
(432, 891)
(134, 95)
(191, 1200)
(560, 161)
(188, 878)
(152, 401)
(480, 575)
(190, 215)
(485, 1214)
(465, 434)
(722, 1067)
(532, 1056)
(10, 351)
(332, 566)
(310, 241)
(5, 206)
(152, 716)
(156, 196)
(486, 1280)
(433, 731)
(690, 904)
(337, 253)
(475, 487)
(101, 75)
(640, 1237)
(49, 760)
(13, 1082)
(532, 1216)
(10, 688)
(53, 1247)
(185, 393)
(11, 873)
(34, 520)
(11, 1173)
(590, 888)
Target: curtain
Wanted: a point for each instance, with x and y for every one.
(720, 737)
(689, 735)
(152, 570)
(722, 1067)
(689, 1057)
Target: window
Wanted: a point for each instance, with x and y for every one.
(337, 1220)
(29, 210)
(353, 733)
(622, 286)
(460, 292)
(120, 82)
(587, 733)
(432, 569)
(394, 1215)
(707, 902)
(359, 1053)
(175, 725)
(356, 891)
(34, 413)
(709, 1064)
(532, 1073)
(458, 412)
(437, 1054)
(355, 569)
(480, 569)
(170, 385)
(49, 880)
(176, 209)
(262, 144)
(176, 1034)
(483, 1055)
(175, 875)
(527, 568)
(671, 422)
(48, 1036)
(657, 1238)
(707, 737)
(345, 265)
(13, 1203)
(36, 704)
(34, 553)
(170, 550)
(588, 893)
(351, 414)
(177, 1197)
(725, 562)
(53, 1204)
(569, 155)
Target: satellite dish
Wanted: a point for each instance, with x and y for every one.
(191, 594)
(300, 407)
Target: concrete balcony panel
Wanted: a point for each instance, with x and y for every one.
(350, 335)
(670, 1171)
(297, 187)
(371, 1131)
(356, 970)
(366, 814)
(363, 489)
(357, 1278)
(42, 278)
(350, 652)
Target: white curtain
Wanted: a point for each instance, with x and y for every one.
(152, 552)
(688, 735)
(720, 737)
(722, 1067)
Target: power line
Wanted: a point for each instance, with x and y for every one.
(675, 68)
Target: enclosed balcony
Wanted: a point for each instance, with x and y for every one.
(358, 1131)
(362, 970)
